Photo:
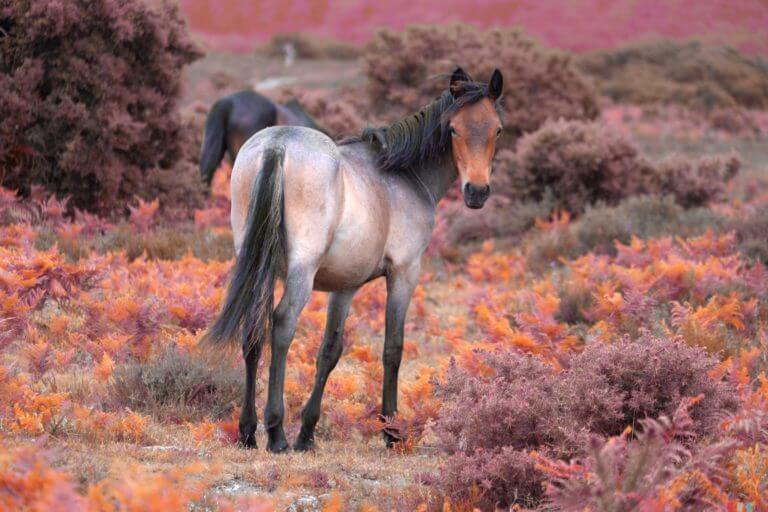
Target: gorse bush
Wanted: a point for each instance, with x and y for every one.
(88, 101)
(490, 424)
(582, 164)
(671, 72)
(406, 70)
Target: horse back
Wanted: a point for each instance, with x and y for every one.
(313, 187)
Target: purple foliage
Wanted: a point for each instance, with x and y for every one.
(649, 378)
(582, 164)
(623, 475)
(88, 95)
(489, 425)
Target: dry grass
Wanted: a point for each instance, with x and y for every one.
(170, 243)
(364, 473)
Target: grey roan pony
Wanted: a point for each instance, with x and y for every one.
(333, 217)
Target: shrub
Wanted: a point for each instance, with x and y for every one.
(500, 217)
(539, 84)
(585, 163)
(751, 234)
(694, 183)
(88, 102)
(601, 226)
(580, 163)
(651, 377)
(176, 385)
(490, 424)
(680, 72)
(654, 472)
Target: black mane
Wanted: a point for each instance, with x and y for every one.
(421, 137)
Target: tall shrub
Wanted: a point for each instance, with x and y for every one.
(407, 69)
(88, 94)
(581, 164)
(489, 425)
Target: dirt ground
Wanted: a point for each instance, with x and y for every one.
(219, 74)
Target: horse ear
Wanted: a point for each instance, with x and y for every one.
(458, 78)
(496, 85)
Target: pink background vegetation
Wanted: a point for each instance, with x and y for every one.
(577, 25)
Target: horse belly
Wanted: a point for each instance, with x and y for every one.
(356, 253)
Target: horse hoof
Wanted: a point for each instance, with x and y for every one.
(248, 442)
(304, 445)
(278, 447)
(392, 437)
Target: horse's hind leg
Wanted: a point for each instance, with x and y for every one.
(298, 287)
(328, 356)
(248, 419)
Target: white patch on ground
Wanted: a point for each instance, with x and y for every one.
(274, 82)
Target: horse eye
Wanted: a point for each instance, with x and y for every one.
(453, 131)
(498, 132)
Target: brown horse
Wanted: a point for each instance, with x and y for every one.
(333, 217)
(233, 119)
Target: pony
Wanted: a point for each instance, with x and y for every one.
(233, 119)
(332, 217)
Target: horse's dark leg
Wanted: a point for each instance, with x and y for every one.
(248, 419)
(400, 286)
(298, 287)
(328, 356)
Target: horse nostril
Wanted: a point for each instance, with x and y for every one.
(481, 191)
(475, 196)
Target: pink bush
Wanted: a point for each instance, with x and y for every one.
(581, 164)
(656, 471)
(695, 183)
(490, 424)
(88, 101)
(408, 69)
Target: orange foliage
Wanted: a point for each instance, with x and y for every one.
(90, 317)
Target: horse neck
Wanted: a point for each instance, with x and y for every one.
(293, 114)
(434, 179)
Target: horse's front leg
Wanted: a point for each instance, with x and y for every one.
(298, 287)
(400, 285)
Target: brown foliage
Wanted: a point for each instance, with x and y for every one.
(688, 73)
(177, 385)
(88, 102)
(405, 71)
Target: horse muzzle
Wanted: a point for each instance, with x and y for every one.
(474, 196)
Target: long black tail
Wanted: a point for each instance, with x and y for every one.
(213, 141)
(249, 303)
